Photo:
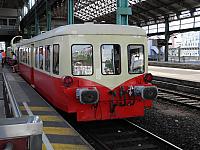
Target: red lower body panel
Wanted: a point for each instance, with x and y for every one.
(103, 112)
(26, 72)
(108, 107)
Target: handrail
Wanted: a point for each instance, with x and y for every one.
(28, 129)
(17, 131)
(20, 127)
(9, 98)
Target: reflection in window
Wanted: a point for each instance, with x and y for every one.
(36, 57)
(47, 58)
(135, 59)
(56, 59)
(41, 58)
(111, 59)
(21, 52)
(82, 63)
(24, 55)
(28, 53)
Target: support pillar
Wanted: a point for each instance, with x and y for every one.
(29, 31)
(122, 12)
(36, 23)
(48, 15)
(70, 12)
(167, 36)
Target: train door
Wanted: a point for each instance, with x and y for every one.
(17, 54)
(32, 64)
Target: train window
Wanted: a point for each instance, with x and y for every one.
(21, 51)
(24, 55)
(36, 57)
(41, 57)
(82, 59)
(56, 59)
(47, 58)
(135, 59)
(28, 54)
(110, 59)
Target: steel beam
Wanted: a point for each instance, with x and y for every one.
(48, 15)
(154, 8)
(122, 12)
(167, 36)
(36, 23)
(70, 12)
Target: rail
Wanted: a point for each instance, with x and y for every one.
(11, 106)
(24, 133)
(121, 134)
(17, 131)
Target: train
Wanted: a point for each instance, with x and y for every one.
(95, 71)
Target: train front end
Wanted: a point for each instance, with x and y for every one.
(108, 77)
(93, 101)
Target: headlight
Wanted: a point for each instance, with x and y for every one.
(146, 92)
(87, 96)
(150, 92)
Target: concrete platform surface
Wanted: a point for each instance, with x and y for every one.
(175, 73)
(58, 133)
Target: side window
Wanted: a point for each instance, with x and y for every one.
(110, 59)
(135, 59)
(82, 60)
(21, 52)
(36, 57)
(28, 53)
(47, 58)
(24, 55)
(41, 55)
(56, 59)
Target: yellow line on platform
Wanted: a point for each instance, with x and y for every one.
(59, 131)
(36, 108)
(67, 147)
(50, 118)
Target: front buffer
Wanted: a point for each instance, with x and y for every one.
(97, 102)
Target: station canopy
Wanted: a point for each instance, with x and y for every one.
(15, 4)
(143, 11)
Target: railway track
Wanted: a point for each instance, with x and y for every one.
(179, 98)
(121, 135)
(186, 93)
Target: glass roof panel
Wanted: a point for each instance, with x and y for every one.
(90, 9)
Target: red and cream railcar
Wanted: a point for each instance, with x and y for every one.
(97, 71)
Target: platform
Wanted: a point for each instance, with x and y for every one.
(2, 110)
(58, 134)
(175, 73)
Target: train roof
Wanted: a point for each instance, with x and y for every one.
(90, 29)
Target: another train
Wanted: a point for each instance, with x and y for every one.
(98, 71)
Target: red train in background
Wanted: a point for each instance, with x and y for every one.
(97, 71)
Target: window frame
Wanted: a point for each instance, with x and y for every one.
(143, 57)
(53, 71)
(92, 60)
(21, 52)
(41, 47)
(28, 56)
(119, 61)
(36, 59)
(46, 58)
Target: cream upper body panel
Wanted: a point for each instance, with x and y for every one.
(110, 81)
(89, 29)
(96, 35)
